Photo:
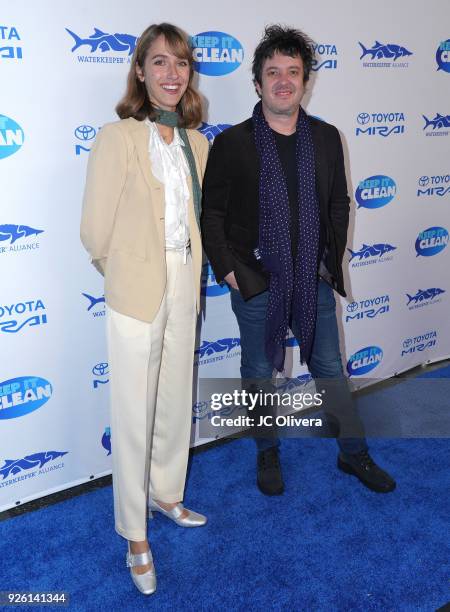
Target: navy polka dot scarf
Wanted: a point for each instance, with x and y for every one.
(293, 285)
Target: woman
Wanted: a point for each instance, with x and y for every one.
(140, 224)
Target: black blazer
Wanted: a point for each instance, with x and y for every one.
(230, 217)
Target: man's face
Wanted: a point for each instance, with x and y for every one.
(282, 87)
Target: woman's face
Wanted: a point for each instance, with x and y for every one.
(166, 76)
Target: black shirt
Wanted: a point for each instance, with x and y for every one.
(286, 152)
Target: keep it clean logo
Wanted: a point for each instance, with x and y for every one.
(12, 233)
(375, 191)
(364, 360)
(438, 185)
(384, 56)
(14, 317)
(104, 48)
(106, 440)
(22, 395)
(10, 43)
(431, 241)
(210, 287)
(325, 57)
(11, 136)
(443, 56)
(216, 53)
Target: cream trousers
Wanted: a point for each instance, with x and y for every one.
(151, 367)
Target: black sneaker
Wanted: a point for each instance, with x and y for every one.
(364, 467)
(270, 479)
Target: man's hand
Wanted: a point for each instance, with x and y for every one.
(230, 279)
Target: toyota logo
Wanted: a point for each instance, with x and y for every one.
(363, 118)
(352, 307)
(85, 132)
(101, 369)
(424, 180)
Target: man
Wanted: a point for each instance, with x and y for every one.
(274, 224)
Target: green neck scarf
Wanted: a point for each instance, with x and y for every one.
(171, 119)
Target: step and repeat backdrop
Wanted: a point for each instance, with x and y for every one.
(382, 76)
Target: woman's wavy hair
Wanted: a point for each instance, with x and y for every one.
(136, 103)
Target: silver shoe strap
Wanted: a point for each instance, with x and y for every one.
(177, 510)
(134, 560)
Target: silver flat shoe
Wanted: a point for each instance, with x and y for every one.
(193, 519)
(145, 583)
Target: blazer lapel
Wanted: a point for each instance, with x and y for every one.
(140, 137)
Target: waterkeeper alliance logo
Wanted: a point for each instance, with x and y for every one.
(325, 57)
(225, 348)
(210, 287)
(22, 395)
(438, 126)
(96, 305)
(104, 48)
(216, 53)
(438, 185)
(30, 466)
(431, 241)
(84, 134)
(15, 317)
(375, 191)
(380, 124)
(384, 56)
(211, 131)
(443, 56)
(424, 297)
(11, 136)
(420, 343)
(367, 309)
(370, 254)
(24, 234)
(9, 43)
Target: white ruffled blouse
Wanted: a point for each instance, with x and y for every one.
(170, 167)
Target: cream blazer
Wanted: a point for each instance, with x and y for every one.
(122, 224)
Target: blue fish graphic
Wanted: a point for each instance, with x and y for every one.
(293, 383)
(37, 460)
(93, 301)
(380, 51)
(424, 294)
(14, 232)
(373, 250)
(105, 42)
(211, 131)
(225, 344)
(440, 121)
